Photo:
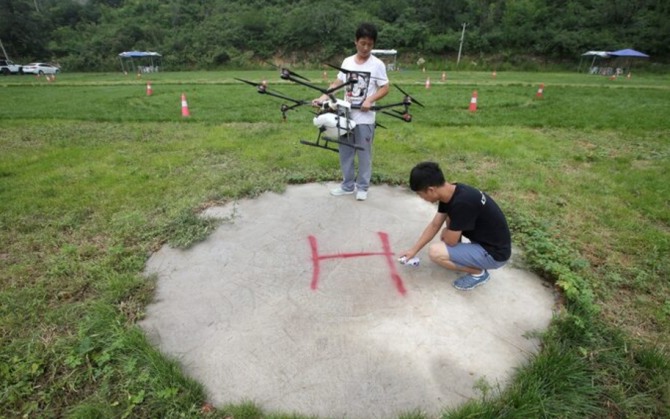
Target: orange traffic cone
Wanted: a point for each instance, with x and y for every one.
(473, 102)
(149, 90)
(540, 91)
(428, 83)
(444, 76)
(184, 106)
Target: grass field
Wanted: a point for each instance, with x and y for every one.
(95, 175)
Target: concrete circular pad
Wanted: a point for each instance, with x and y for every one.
(297, 303)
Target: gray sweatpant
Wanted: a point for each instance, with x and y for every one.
(363, 137)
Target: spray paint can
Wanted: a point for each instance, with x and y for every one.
(411, 262)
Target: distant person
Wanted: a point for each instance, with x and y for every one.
(372, 85)
(464, 211)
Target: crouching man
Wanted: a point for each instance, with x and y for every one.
(465, 212)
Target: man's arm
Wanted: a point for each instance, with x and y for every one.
(451, 237)
(379, 94)
(428, 233)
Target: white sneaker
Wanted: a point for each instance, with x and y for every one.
(361, 195)
(339, 191)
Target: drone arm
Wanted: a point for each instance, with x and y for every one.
(285, 108)
(297, 102)
(328, 93)
(298, 81)
(404, 117)
(378, 107)
(262, 89)
(337, 85)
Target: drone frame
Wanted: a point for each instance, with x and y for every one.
(340, 111)
(322, 141)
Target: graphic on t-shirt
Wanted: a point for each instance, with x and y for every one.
(358, 91)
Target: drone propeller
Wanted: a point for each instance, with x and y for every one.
(260, 86)
(407, 95)
(287, 74)
(263, 89)
(341, 69)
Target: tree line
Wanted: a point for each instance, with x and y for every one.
(88, 35)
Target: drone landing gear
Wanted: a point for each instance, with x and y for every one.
(325, 143)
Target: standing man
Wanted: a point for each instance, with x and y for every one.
(372, 85)
(466, 212)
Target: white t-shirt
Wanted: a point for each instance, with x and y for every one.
(371, 76)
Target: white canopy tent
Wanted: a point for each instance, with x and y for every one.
(595, 54)
(390, 55)
(603, 54)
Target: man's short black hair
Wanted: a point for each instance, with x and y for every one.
(366, 30)
(425, 175)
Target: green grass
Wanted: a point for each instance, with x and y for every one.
(95, 175)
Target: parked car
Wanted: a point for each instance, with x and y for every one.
(40, 68)
(7, 67)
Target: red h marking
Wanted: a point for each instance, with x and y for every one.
(316, 261)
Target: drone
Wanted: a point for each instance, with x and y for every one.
(333, 118)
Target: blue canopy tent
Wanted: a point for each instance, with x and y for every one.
(628, 53)
(625, 56)
(147, 61)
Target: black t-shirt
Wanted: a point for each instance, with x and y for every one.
(480, 219)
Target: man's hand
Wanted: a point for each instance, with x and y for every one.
(412, 261)
(366, 105)
(407, 255)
